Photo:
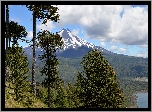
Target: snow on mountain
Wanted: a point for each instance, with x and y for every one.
(70, 42)
(73, 41)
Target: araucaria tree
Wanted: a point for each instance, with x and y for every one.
(97, 85)
(18, 65)
(46, 12)
(16, 32)
(50, 43)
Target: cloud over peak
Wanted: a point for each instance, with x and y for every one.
(113, 23)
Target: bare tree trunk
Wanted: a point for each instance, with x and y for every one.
(34, 54)
(7, 36)
(9, 42)
(48, 77)
(7, 27)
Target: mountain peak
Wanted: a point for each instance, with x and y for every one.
(65, 29)
(73, 41)
(68, 29)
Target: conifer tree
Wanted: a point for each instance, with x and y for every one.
(97, 84)
(62, 98)
(46, 12)
(18, 65)
(50, 43)
(73, 100)
(16, 32)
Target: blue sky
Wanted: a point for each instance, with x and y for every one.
(122, 29)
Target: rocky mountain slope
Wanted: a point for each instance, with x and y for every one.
(72, 45)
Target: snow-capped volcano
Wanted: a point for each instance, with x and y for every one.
(73, 41)
(72, 45)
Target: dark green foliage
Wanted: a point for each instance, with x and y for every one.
(97, 84)
(46, 12)
(125, 80)
(67, 75)
(128, 66)
(50, 43)
(61, 100)
(73, 100)
(41, 93)
(27, 101)
(18, 65)
(16, 32)
(58, 96)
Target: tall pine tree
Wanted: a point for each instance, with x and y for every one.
(62, 98)
(46, 12)
(16, 32)
(50, 43)
(73, 100)
(18, 65)
(97, 84)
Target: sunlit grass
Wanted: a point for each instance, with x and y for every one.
(11, 103)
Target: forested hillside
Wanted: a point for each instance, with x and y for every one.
(69, 67)
(125, 66)
(84, 76)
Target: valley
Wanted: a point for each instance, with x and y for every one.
(130, 70)
(69, 67)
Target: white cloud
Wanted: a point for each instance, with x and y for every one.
(103, 44)
(145, 55)
(143, 46)
(104, 23)
(142, 54)
(49, 26)
(113, 48)
(75, 32)
(30, 34)
(133, 27)
(122, 50)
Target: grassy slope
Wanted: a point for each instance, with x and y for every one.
(11, 103)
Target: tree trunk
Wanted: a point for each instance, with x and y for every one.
(7, 36)
(48, 90)
(9, 42)
(34, 54)
(7, 27)
(48, 77)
